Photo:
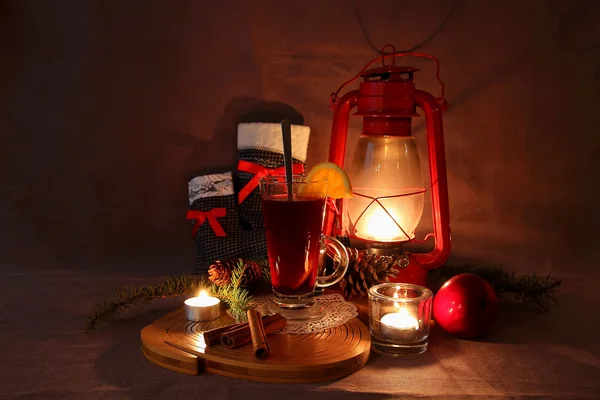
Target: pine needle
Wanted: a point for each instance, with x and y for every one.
(236, 297)
(127, 298)
(266, 271)
(533, 291)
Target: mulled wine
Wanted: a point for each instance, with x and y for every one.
(293, 214)
(294, 239)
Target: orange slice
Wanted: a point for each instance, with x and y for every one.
(338, 183)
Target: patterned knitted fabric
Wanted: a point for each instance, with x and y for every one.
(214, 192)
(261, 144)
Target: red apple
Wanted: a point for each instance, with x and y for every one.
(465, 306)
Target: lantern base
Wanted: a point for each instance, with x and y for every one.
(412, 273)
(398, 350)
(409, 270)
(379, 248)
(385, 249)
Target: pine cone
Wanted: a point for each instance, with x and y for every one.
(251, 275)
(220, 272)
(366, 270)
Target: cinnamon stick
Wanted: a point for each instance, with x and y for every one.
(213, 336)
(259, 337)
(241, 335)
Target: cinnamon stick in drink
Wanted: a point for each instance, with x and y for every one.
(259, 337)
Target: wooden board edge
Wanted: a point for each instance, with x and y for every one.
(184, 367)
(155, 349)
(358, 363)
(186, 348)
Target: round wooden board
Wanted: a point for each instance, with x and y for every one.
(175, 343)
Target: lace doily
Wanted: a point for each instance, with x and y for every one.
(336, 312)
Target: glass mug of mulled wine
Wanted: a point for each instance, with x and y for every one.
(293, 216)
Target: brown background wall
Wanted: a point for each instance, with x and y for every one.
(109, 106)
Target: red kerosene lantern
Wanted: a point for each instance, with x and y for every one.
(385, 172)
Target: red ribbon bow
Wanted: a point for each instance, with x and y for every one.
(212, 215)
(260, 172)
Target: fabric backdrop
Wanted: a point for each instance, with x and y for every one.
(108, 107)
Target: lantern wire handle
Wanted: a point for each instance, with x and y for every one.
(424, 240)
(393, 55)
(393, 52)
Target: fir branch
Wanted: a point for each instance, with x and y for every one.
(236, 274)
(533, 291)
(265, 269)
(128, 297)
(236, 297)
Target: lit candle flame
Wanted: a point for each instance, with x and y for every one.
(379, 225)
(402, 319)
(203, 299)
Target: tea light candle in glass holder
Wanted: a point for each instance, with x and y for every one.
(399, 315)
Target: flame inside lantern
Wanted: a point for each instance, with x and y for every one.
(387, 169)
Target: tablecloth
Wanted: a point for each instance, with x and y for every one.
(45, 354)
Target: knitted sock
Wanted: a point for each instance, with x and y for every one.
(213, 207)
(260, 151)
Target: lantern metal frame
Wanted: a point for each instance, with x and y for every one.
(387, 105)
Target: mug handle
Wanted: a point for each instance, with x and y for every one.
(342, 257)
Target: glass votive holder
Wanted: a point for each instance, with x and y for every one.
(399, 315)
